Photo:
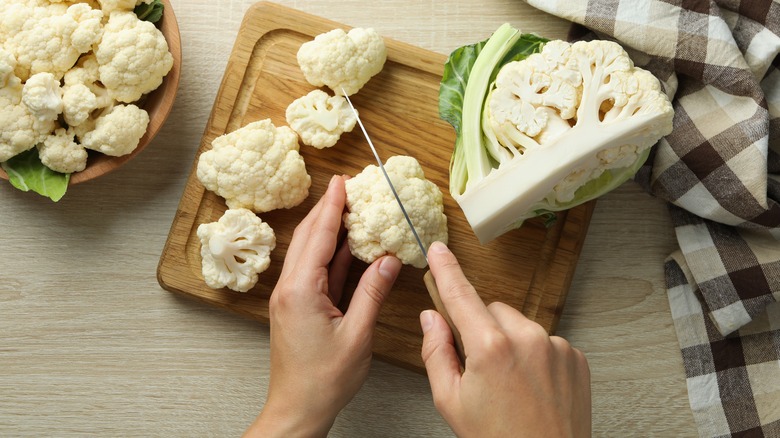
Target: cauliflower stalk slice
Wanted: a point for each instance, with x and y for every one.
(545, 126)
(375, 223)
(235, 249)
(320, 119)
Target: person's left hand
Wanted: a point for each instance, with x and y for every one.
(320, 357)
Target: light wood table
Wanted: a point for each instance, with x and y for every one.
(90, 345)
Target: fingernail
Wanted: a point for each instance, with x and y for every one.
(438, 248)
(426, 320)
(389, 267)
(332, 181)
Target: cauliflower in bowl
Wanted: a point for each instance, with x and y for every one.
(256, 167)
(375, 223)
(235, 249)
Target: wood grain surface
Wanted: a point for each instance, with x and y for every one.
(90, 345)
(530, 268)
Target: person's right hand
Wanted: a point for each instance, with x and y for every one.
(517, 381)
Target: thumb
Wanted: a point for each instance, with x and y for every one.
(372, 289)
(439, 355)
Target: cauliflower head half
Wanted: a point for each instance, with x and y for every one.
(341, 59)
(320, 119)
(375, 223)
(235, 249)
(256, 167)
(590, 88)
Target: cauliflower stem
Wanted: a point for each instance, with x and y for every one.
(544, 126)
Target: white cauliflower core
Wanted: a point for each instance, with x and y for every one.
(133, 57)
(320, 119)
(235, 249)
(375, 223)
(339, 59)
(256, 167)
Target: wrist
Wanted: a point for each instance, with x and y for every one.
(282, 420)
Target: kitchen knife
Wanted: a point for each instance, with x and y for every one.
(430, 282)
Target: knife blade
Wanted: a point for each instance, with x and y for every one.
(430, 282)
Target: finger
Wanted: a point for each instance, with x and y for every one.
(372, 289)
(339, 269)
(300, 237)
(314, 240)
(512, 321)
(439, 355)
(459, 297)
(324, 231)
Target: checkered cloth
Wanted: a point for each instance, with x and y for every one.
(720, 171)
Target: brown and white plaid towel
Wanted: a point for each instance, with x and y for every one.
(720, 171)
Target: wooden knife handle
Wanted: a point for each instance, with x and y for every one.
(433, 291)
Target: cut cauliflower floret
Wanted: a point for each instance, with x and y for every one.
(61, 154)
(235, 249)
(117, 132)
(20, 130)
(83, 95)
(43, 96)
(133, 57)
(375, 223)
(256, 167)
(320, 119)
(342, 60)
(49, 38)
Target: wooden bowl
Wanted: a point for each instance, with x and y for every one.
(158, 104)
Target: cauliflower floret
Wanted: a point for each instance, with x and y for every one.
(78, 102)
(43, 96)
(343, 60)
(256, 167)
(133, 57)
(20, 130)
(109, 6)
(50, 38)
(320, 119)
(235, 249)
(7, 65)
(61, 154)
(375, 223)
(118, 131)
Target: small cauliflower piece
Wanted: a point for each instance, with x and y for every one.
(78, 102)
(118, 131)
(339, 59)
(133, 57)
(320, 119)
(256, 167)
(375, 223)
(235, 249)
(83, 95)
(49, 38)
(43, 96)
(20, 130)
(61, 154)
(109, 6)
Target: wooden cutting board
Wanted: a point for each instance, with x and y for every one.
(530, 268)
